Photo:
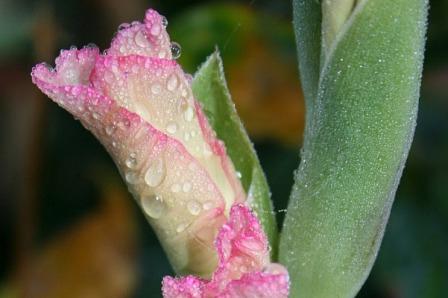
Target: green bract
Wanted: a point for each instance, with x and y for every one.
(210, 89)
(361, 95)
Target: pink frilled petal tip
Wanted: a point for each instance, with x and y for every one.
(138, 102)
(244, 270)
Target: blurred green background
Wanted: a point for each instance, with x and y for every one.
(68, 227)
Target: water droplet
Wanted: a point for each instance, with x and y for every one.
(239, 175)
(162, 54)
(171, 127)
(156, 89)
(180, 228)
(123, 26)
(194, 207)
(175, 50)
(91, 45)
(131, 161)
(140, 39)
(131, 177)
(109, 129)
(210, 187)
(153, 205)
(164, 21)
(189, 114)
(175, 187)
(47, 66)
(95, 115)
(207, 152)
(208, 205)
(172, 82)
(155, 30)
(186, 187)
(189, 78)
(155, 173)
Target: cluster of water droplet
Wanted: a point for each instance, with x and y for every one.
(160, 94)
(152, 193)
(147, 39)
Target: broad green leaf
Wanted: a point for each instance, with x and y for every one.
(355, 146)
(210, 88)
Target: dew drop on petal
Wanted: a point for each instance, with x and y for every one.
(186, 187)
(207, 152)
(162, 54)
(155, 173)
(180, 228)
(156, 89)
(153, 205)
(123, 26)
(155, 30)
(131, 161)
(164, 22)
(189, 114)
(175, 188)
(109, 129)
(47, 66)
(194, 207)
(184, 92)
(189, 78)
(175, 50)
(91, 45)
(140, 39)
(131, 177)
(171, 127)
(208, 205)
(172, 82)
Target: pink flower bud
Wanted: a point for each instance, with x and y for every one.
(139, 104)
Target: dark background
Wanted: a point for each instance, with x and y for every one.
(68, 227)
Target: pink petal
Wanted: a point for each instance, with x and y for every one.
(242, 247)
(148, 39)
(159, 91)
(244, 270)
(258, 285)
(73, 67)
(186, 287)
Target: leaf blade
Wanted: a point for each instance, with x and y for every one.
(210, 88)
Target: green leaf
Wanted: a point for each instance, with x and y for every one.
(210, 88)
(355, 145)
